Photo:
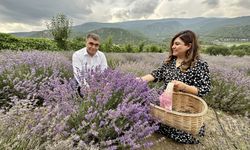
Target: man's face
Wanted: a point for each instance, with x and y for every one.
(92, 46)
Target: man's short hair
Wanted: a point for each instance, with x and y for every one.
(94, 36)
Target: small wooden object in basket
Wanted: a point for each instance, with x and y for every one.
(187, 114)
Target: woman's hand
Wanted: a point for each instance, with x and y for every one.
(179, 86)
(146, 78)
(183, 87)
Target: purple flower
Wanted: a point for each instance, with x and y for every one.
(116, 108)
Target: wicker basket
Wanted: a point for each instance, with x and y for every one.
(187, 115)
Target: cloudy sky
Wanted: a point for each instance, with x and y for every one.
(31, 15)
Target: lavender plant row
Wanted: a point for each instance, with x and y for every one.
(112, 114)
(41, 109)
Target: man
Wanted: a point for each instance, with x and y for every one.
(88, 58)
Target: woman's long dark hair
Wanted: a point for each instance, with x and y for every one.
(192, 54)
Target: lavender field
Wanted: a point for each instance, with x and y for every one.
(41, 109)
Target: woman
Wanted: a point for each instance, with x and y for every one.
(187, 71)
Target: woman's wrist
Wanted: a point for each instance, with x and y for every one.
(189, 89)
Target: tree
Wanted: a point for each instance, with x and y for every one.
(60, 28)
(141, 47)
(108, 44)
(129, 48)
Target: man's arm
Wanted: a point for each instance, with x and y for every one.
(76, 64)
(104, 64)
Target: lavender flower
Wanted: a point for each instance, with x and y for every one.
(117, 107)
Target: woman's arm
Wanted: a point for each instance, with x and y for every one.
(156, 75)
(183, 87)
(148, 78)
(203, 80)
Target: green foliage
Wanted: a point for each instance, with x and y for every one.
(76, 43)
(218, 50)
(108, 44)
(129, 48)
(60, 28)
(243, 47)
(117, 49)
(141, 47)
(154, 48)
(239, 52)
(8, 41)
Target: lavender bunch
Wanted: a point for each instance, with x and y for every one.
(36, 59)
(24, 80)
(41, 126)
(22, 74)
(114, 112)
(230, 90)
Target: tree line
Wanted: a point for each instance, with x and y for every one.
(240, 50)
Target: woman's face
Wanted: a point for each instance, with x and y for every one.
(179, 48)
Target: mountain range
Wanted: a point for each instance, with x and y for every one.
(208, 29)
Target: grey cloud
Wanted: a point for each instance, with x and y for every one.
(183, 13)
(211, 3)
(244, 4)
(138, 9)
(31, 12)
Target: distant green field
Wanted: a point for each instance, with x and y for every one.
(232, 43)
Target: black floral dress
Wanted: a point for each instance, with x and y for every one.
(197, 76)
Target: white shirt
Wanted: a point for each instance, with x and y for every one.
(82, 62)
